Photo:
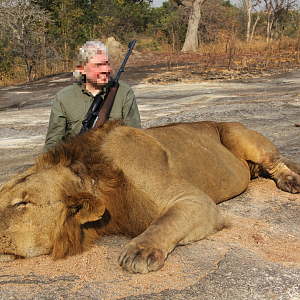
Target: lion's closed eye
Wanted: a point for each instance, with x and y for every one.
(21, 202)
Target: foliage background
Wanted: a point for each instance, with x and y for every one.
(52, 30)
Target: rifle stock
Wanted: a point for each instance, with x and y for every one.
(107, 105)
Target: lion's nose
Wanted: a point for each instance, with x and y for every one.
(4, 257)
(7, 249)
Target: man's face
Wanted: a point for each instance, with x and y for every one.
(97, 70)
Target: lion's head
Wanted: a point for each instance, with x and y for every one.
(42, 211)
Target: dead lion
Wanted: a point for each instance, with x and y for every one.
(159, 185)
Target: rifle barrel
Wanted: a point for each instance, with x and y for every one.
(130, 46)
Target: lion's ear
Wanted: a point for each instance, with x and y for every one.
(85, 207)
(78, 168)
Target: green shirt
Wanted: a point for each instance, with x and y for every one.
(72, 105)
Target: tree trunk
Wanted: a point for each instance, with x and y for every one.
(191, 39)
(248, 6)
(248, 23)
(254, 26)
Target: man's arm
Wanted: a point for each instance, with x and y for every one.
(57, 125)
(131, 113)
(125, 106)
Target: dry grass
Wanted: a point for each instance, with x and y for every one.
(258, 45)
(156, 43)
(239, 55)
(18, 74)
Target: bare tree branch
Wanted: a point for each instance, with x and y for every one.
(23, 24)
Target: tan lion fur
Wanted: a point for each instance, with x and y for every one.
(120, 217)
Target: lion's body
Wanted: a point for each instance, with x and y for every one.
(194, 153)
(159, 185)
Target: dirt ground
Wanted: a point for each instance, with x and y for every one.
(258, 257)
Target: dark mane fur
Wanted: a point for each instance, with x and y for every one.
(78, 147)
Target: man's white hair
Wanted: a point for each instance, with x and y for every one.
(86, 52)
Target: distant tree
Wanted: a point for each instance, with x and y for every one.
(5, 62)
(23, 27)
(227, 3)
(214, 20)
(257, 16)
(76, 21)
(277, 14)
(249, 6)
(191, 42)
(170, 21)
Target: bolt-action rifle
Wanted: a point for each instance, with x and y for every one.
(100, 108)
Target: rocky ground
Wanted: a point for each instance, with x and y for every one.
(257, 258)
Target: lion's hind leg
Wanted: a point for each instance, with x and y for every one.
(261, 155)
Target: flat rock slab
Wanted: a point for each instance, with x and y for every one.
(258, 257)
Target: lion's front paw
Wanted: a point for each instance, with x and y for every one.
(289, 182)
(141, 258)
